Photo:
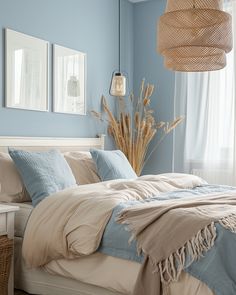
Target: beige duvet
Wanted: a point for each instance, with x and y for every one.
(70, 223)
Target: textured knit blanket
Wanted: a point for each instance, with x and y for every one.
(117, 239)
(174, 233)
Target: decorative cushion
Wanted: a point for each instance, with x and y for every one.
(112, 165)
(83, 167)
(43, 173)
(11, 185)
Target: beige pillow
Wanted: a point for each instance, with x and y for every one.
(83, 167)
(11, 186)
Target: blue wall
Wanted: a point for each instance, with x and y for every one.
(85, 25)
(149, 65)
(91, 26)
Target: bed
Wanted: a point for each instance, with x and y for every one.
(92, 275)
(39, 281)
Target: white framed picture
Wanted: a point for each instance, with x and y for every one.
(69, 81)
(26, 65)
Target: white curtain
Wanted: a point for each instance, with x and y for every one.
(205, 144)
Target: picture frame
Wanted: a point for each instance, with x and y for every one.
(26, 72)
(69, 80)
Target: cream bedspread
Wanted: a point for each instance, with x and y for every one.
(70, 223)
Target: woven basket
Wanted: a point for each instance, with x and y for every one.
(6, 251)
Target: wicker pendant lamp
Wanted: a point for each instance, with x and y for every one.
(195, 35)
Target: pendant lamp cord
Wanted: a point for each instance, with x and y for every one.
(194, 4)
(119, 30)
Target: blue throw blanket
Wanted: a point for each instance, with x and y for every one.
(216, 269)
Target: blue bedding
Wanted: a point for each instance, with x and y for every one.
(216, 268)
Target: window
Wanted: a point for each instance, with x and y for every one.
(208, 102)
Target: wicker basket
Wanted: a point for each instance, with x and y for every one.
(6, 251)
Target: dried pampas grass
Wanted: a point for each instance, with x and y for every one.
(134, 130)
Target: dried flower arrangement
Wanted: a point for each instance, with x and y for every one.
(135, 126)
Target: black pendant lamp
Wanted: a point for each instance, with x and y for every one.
(118, 85)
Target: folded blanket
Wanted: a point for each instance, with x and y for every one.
(176, 231)
(116, 238)
(71, 223)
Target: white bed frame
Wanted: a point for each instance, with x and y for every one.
(45, 143)
(38, 281)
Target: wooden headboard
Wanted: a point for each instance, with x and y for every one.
(46, 143)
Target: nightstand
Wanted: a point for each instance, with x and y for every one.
(7, 214)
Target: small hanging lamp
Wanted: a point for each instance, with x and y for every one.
(118, 85)
(195, 35)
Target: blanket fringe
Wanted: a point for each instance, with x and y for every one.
(171, 267)
(229, 222)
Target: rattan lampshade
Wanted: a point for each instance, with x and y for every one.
(195, 35)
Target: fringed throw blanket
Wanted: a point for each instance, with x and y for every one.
(173, 234)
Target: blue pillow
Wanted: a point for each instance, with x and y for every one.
(112, 165)
(43, 173)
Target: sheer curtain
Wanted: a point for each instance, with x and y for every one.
(206, 144)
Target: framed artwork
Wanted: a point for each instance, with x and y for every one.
(26, 82)
(69, 81)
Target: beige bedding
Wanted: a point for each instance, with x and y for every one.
(109, 272)
(70, 224)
